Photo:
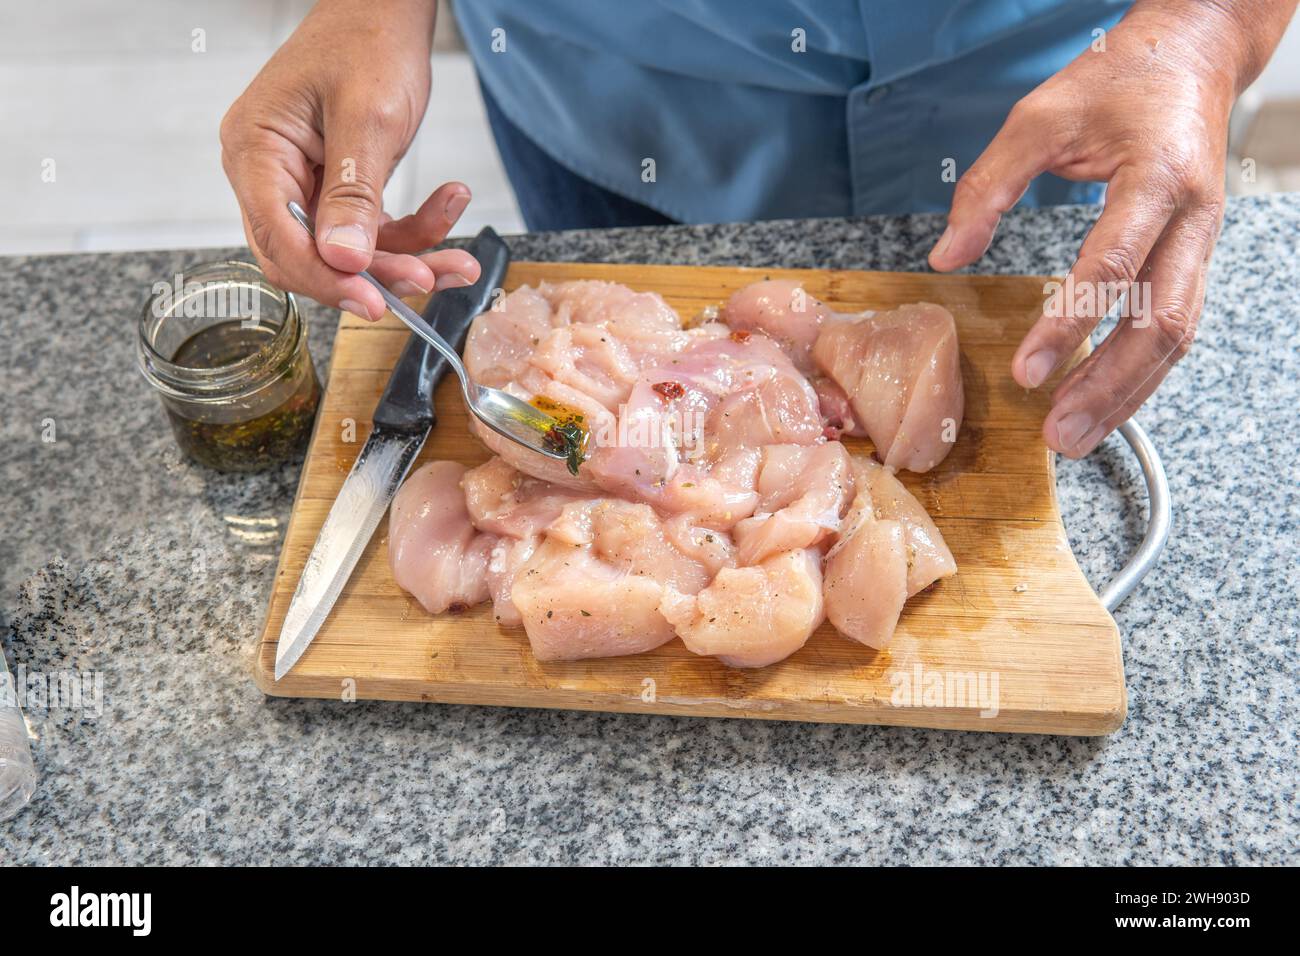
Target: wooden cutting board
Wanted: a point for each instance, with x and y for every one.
(1016, 641)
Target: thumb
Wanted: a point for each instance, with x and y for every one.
(359, 154)
(992, 185)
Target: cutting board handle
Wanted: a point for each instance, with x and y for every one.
(1159, 518)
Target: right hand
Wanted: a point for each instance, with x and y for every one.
(325, 123)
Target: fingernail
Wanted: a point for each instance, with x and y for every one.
(349, 237)
(1071, 429)
(1038, 366)
(405, 287)
(456, 205)
(452, 280)
(355, 307)
(944, 242)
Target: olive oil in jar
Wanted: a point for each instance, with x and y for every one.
(227, 353)
(254, 443)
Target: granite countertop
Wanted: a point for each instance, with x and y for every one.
(122, 561)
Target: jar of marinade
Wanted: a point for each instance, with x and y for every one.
(227, 353)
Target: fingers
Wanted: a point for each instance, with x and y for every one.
(1115, 249)
(1113, 382)
(430, 224)
(995, 183)
(361, 148)
(305, 272)
(451, 267)
(266, 172)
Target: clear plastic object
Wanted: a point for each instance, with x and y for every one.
(17, 772)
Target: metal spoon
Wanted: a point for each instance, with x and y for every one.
(500, 411)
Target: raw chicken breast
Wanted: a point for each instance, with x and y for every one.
(591, 360)
(626, 313)
(574, 605)
(782, 310)
(505, 502)
(502, 339)
(690, 431)
(866, 577)
(751, 617)
(433, 548)
(804, 491)
(888, 550)
(594, 586)
(714, 503)
(928, 557)
(837, 413)
(901, 371)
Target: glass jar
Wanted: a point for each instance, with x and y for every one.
(227, 353)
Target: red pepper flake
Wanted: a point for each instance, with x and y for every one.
(669, 390)
(740, 336)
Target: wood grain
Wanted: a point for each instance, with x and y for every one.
(1019, 616)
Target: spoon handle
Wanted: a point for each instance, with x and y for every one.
(415, 322)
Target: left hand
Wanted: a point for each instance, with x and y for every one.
(1148, 115)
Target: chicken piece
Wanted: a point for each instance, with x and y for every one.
(804, 491)
(754, 616)
(837, 413)
(782, 310)
(704, 414)
(713, 549)
(502, 339)
(591, 360)
(928, 557)
(623, 311)
(573, 606)
(866, 577)
(433, 549)
(901, 371)
(508, 503)
(889, 550)
(593, 587)
(507, 558)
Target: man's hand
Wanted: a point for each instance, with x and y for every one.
(1148, 115)
(324, 123)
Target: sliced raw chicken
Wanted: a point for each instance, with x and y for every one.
(433, 549)
(573, 606)
(751, 617)
(928, 557)
(623, 311)
(804, 491)
(591, 360)
(782, 310)
(888, 550)
(710, 491)
(594, 586)
(506, 560)
(502, 339)
(837, 413)
(866, 577)
(506, 502)
(901, 371)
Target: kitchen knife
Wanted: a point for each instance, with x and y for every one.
(402, 421)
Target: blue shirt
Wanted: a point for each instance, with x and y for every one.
(741, 123)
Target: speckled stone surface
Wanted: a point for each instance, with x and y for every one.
(120, 559)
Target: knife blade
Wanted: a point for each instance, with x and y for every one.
(402, 421)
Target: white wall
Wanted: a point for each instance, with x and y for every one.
(115, 96)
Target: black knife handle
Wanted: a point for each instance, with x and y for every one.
(407, 402)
